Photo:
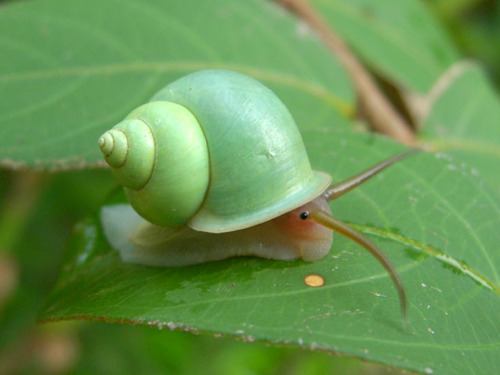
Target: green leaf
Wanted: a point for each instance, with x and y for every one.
(465, 122)
(439, 228)
(398, 39)
(72, 69)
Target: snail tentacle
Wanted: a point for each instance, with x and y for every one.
(327, 220)
(340, 188)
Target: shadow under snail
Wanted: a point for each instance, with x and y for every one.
(216, 166)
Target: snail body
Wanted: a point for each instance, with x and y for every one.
(215, 167)
(286, 237)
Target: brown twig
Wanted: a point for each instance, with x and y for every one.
(379, 112)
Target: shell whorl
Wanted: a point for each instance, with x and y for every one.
(159, 154)
(107, 145)
(129, 149)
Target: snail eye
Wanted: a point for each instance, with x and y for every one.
(304, 215)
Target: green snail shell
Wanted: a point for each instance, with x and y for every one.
(256, 163)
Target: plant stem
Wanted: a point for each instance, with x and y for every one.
(378, 110)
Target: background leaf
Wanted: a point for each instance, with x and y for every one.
(82, 66)
(465, 122)
(400, 40)
(36, 246)
(447, 262)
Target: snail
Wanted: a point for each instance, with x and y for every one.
(215, 167)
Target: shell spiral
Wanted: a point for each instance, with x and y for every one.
(216, 150)
(159, 155)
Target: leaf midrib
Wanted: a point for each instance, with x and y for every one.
(311, 88)
(440, 256)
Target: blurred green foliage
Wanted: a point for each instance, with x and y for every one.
(475, 27)
(32, 242)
